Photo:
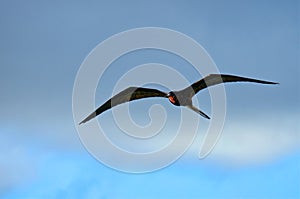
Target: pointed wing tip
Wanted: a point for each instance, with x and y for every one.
(266, 82)
(83, 121)
(88, 118)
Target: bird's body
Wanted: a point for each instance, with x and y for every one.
(177, 98)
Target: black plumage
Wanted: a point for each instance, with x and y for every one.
(178, 98)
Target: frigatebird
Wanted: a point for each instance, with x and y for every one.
(177, 98)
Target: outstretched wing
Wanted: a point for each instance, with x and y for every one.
(129, 94)
(215, 79)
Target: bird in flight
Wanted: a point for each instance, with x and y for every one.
(177, 98)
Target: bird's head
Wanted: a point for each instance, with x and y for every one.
(173, 99)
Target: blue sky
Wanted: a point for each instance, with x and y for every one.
(43, 45)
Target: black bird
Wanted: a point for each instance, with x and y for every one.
(178, 98)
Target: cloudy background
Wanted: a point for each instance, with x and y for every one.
(43, 45)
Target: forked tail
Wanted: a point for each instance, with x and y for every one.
(198, 111)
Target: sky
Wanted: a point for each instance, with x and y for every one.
(43, 45)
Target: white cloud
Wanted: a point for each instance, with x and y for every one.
(252, 140)
(17, 165)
